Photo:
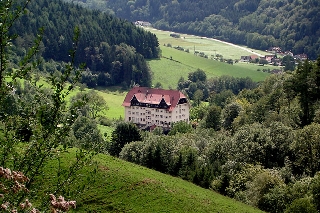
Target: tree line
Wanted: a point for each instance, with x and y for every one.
(291, 24)
(198, 88)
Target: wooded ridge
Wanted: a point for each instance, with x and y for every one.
(292, 25)
(114, 50)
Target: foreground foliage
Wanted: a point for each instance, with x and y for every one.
(34, 120)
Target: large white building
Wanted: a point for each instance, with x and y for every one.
(149, 106)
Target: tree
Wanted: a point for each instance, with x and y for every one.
(158, 85)
(212, 119)
(87, 135)
(263, 61)
(124, 133)
(288, 62)
(221, 99)
(197, 97)
(198, 113)
(306, 150)
(315, 186)
(198, 75)
(180, 127)
(305, 84)
(88, 103)
(41, 113)
(301, 205)
(229, 113)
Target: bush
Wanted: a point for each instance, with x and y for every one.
(301, 205)
(124, 133)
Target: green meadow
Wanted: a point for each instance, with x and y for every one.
(176, 63)
(206, 45)
(114, 101)
(125, 187)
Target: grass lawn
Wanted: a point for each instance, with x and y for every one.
(106, 130)
(114, 101)
(125, 187)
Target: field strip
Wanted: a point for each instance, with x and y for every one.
(213, 39)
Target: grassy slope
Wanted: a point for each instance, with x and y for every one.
(200, 44)
(168, 72)
(126, 187)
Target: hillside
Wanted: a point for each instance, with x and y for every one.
(290, 24)
(125, 187)
(113, 50)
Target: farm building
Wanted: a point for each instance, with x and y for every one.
(148, 107)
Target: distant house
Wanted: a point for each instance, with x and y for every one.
(275, 50)
(142, 23)
(276, 61)
(269, 58)
(288, 53)
(148, 107)
(248, 58)
(301, 57)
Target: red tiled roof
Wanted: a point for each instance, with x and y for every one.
(154, 96)
(254, 56)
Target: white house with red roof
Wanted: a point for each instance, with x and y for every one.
(149, 106)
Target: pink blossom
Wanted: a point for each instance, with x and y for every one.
(34, 211)
(5, 205)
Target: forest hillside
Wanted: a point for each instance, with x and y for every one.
(292, 25)
(113, 50)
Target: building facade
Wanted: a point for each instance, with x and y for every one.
(148, 106)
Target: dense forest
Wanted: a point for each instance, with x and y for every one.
(292, 25)
(114, 50)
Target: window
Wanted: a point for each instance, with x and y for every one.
(129, 118)
(161, 116)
